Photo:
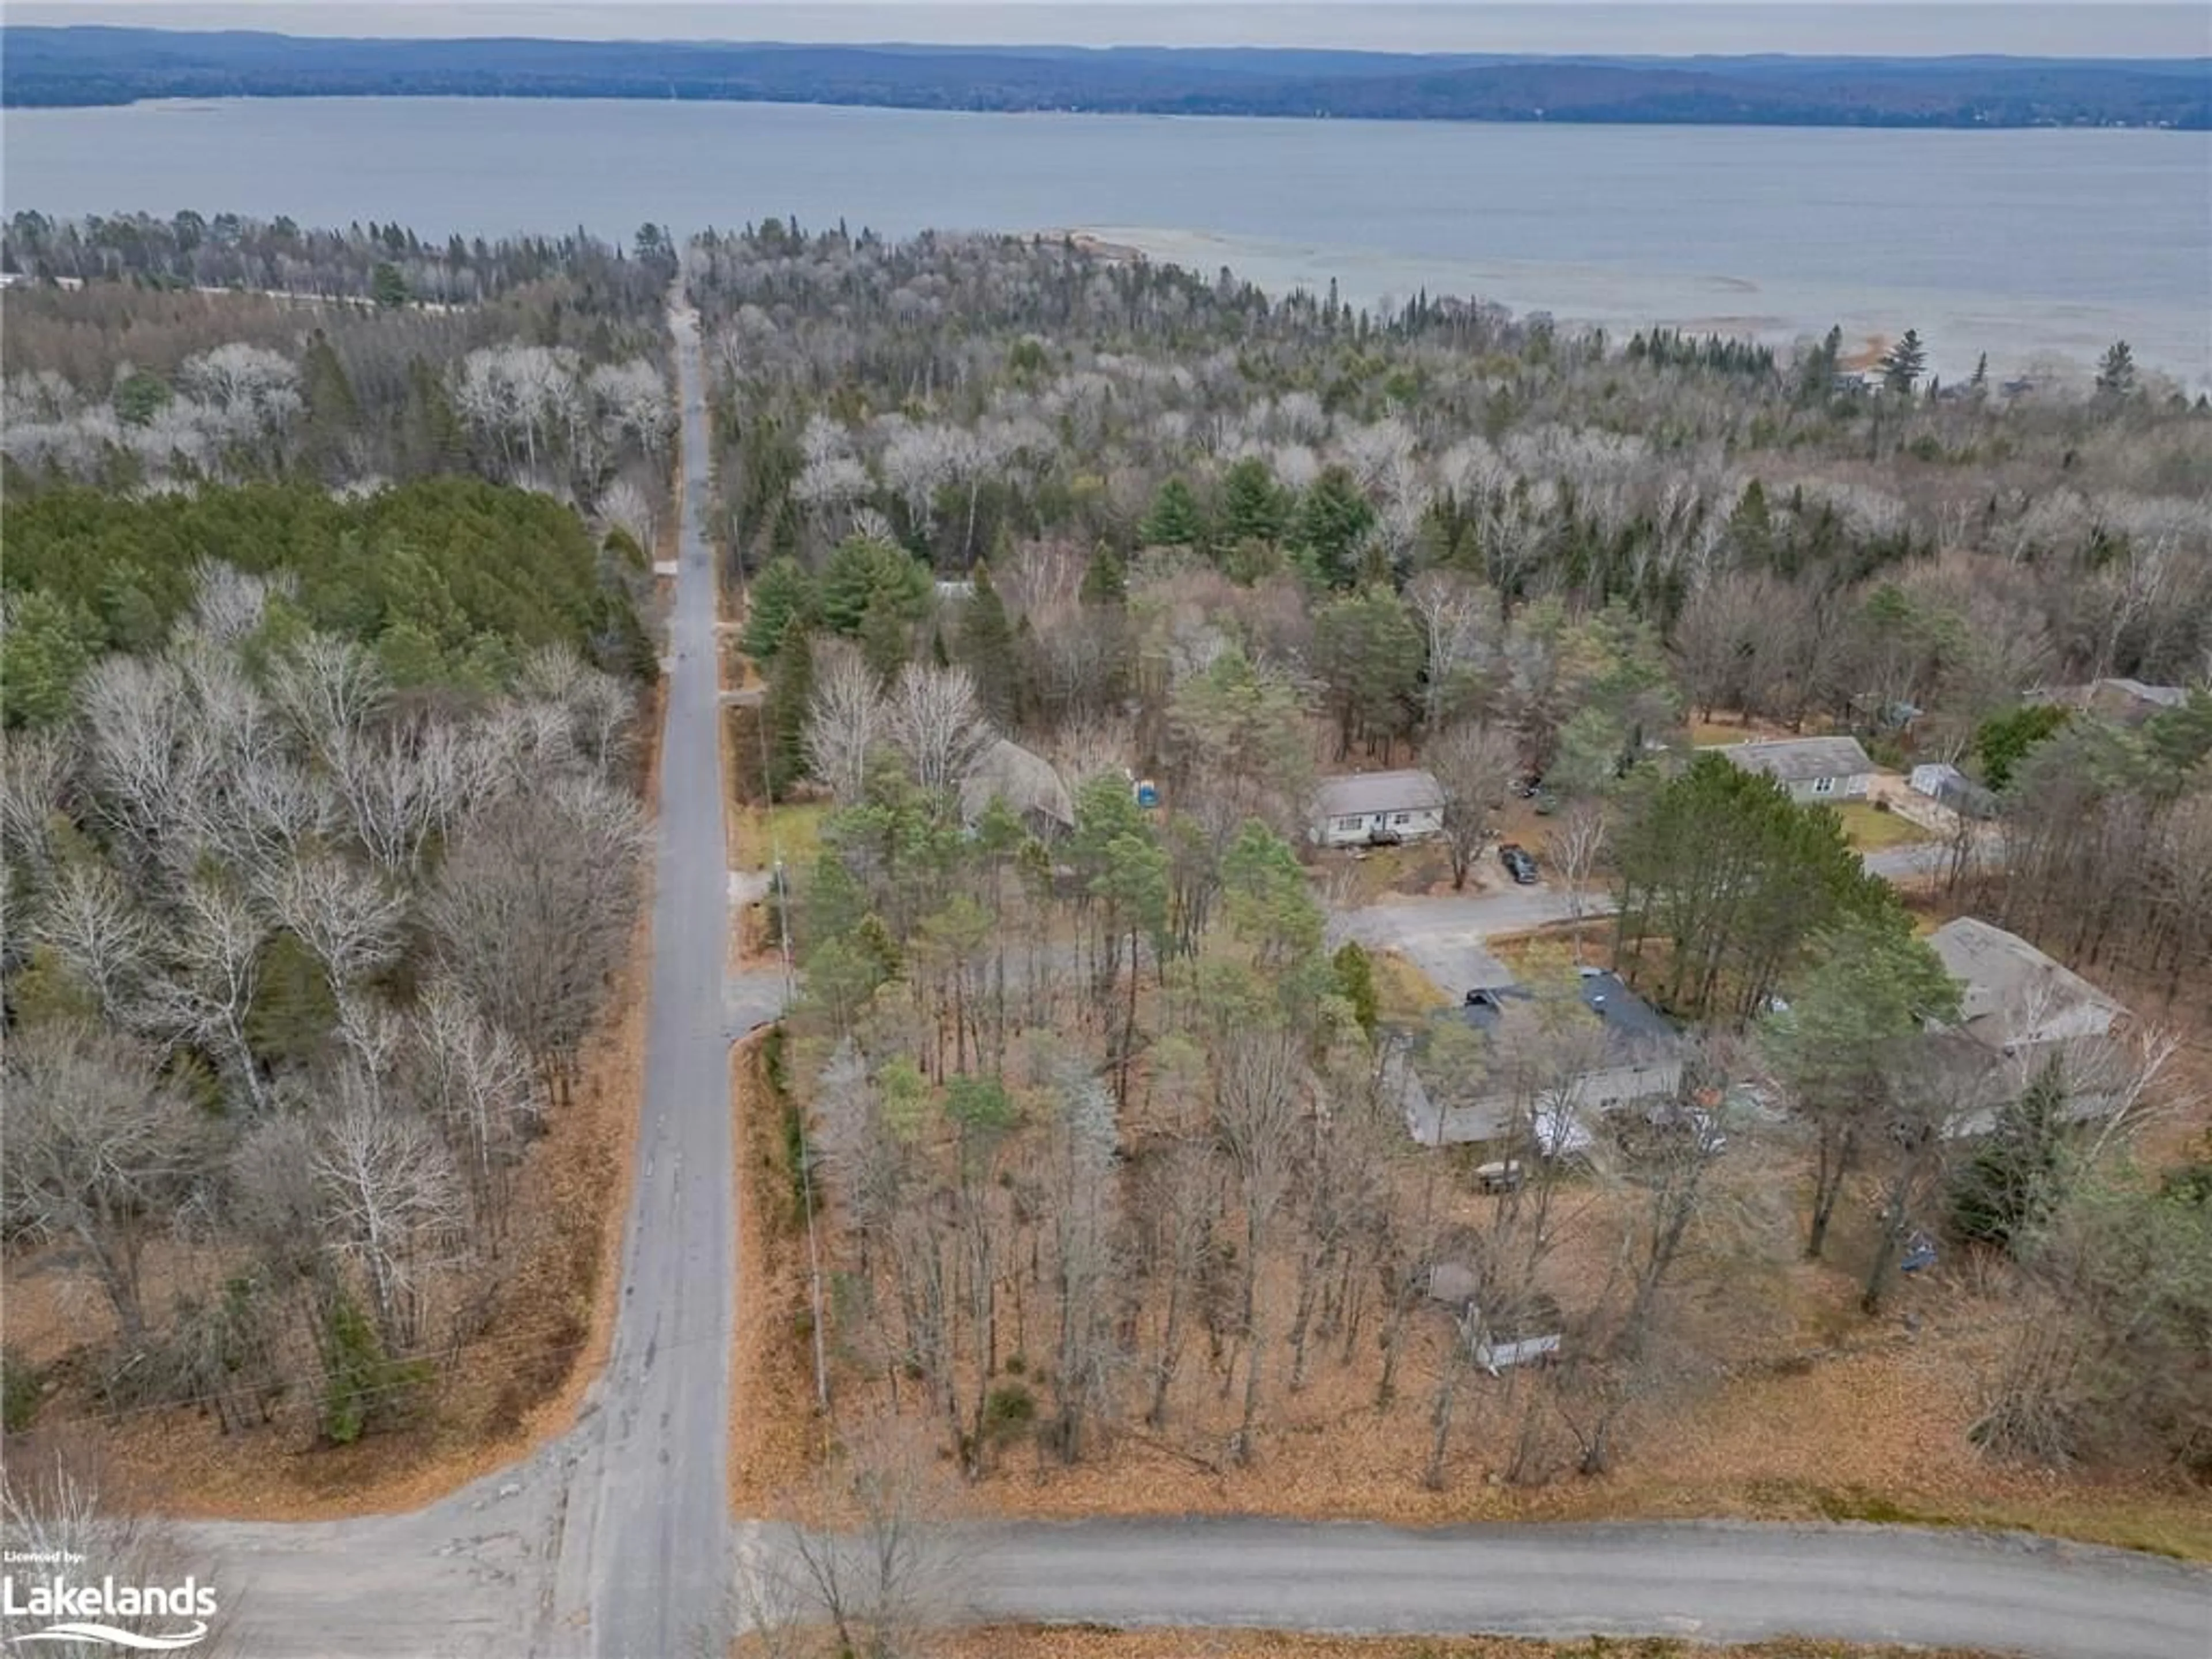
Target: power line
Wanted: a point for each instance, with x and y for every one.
(779, 893)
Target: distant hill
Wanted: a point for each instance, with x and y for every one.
(96, 65)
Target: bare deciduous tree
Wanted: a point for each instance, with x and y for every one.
(846, 717)
(34, 768)
(1458, 621)
(532, 909)
(392, 1202)
(1473, 767)
(475, 1081)
(343, 912)
(936, 723)
(136, 714)
(99, 1148)
(1086, 1248)
(90, 922)
(1576, 843)
(878, 1546)
(402, 784)
(1259, 1075)
(204, 988)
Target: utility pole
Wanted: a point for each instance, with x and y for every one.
(779, 894)
(781, 890)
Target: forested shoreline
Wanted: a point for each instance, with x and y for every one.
(50, 68)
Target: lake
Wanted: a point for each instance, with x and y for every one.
(2021, 244)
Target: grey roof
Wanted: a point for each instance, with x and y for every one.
(1025, 781)
(2115, 697)
(1800, 760)
(2165, 696)
(1629, 1020)
(1454, 1282)
(1359, 794)
(1633, 1028)
(2007, 979)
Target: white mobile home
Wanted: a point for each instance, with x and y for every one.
(1364, 809)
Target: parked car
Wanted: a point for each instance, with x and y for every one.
(1505, 1175)
(1518, 862)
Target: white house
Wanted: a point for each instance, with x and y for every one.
(1365, 807)
(1810, 769)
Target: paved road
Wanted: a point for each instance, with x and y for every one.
(643, 1538)
(1444, 937)
(1707, 1582)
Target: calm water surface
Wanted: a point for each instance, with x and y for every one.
(2018, 244)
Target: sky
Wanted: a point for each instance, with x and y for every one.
(2097, 28)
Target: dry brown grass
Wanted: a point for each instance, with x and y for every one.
(1403, 993)
(793, 830)
(775, 1432)
(1792, 1405)
(1543, 949)
(1093, 1642)
(1816, 1412)
(1727, 726)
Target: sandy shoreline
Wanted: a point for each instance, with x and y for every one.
(2050, 342)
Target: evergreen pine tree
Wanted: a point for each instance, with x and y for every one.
(2116, 374)
(987, 646)
(1251, 504)
(790, 684)
(333, 411)
(1902, 364)
(2006, 1190)
(782, 594)
(1332, 518)
(388, 287)
(1104, 581)
(1175, 519)
(886, 641)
